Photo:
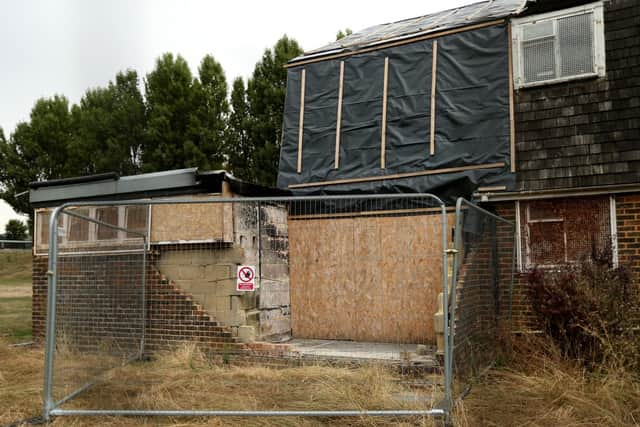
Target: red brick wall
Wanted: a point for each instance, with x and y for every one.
(628, 219)
(522, 317)
(483, 288)
(628, 235)
(96, 303)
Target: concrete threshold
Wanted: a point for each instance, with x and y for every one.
(364, 351)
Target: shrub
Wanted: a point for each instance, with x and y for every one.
(591, 310)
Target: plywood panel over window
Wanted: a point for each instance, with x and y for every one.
(561, 231)
(197, 222)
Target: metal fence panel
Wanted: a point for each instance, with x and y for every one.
(483, 273)
(346, 286)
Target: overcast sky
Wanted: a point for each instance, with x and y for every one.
(67, 46)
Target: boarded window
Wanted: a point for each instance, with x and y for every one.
(136, 220)
(78, 228)
(108, 216)
(564, 231)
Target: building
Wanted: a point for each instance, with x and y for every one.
(530, 107)
(192, 251)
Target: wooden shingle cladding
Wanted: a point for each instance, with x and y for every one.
(586, 133)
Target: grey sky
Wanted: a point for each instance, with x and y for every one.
(67, 46)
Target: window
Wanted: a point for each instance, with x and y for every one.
(561, 231)
(559, 46)
(79, 232)
(136, 220)
(78, 228)
(108, 216)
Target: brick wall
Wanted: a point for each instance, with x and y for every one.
(99, 298)
(628, 235)
(587, 132)
(522, 317)
(483, 292)
(628, 219)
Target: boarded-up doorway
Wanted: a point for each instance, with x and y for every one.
(366, 278)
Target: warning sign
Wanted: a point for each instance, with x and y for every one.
(246, 279)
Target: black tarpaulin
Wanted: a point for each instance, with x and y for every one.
(471, 118)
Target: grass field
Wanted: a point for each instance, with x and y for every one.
(15, 295)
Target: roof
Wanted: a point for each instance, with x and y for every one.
(408, 28)
(110, 186)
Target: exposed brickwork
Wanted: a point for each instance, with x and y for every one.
(39, 298)
(586, 133)
(522, 316)
(483, 289)
(628, 219)
(628, 235)
(103, 304)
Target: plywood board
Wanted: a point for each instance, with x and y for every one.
(366, 279)
(190, 222)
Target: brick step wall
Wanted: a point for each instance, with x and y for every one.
(173, 318)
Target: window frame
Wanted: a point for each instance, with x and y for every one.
(599, 57)
(41, 244)
(523, 242)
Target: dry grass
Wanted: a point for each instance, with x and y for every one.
(538, 387)
(535, 387)
(186, 379)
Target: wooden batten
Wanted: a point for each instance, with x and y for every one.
(432, 121)
(512, 125)
(301, 123)
(383, 131)
(399, 175)
(339, 116)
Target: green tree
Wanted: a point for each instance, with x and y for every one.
(208, 119)
(36, 150)
(265, 103)
(185, 116)
(16, 230)
(109, 127)
(342, 34)
(168, 101)
(238, 148)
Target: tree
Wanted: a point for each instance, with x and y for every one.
(185, 116)
(340, 34)
(265, 103)
(208, 119)
(16, 230)
(169, 97)
(238, 148)
(109, 127)
(36, 150)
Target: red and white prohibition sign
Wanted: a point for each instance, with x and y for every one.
(246, 278)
